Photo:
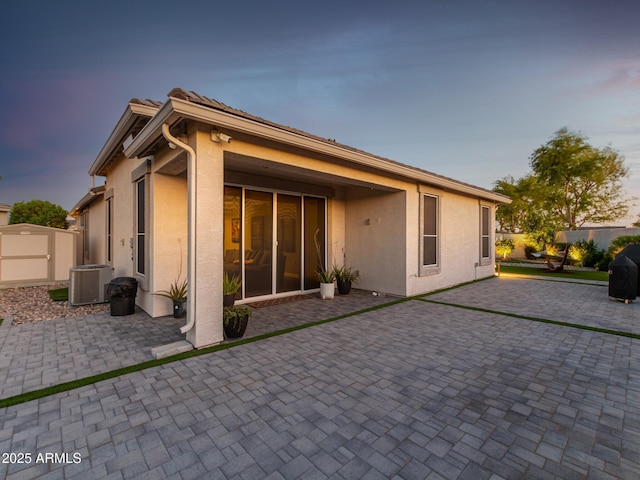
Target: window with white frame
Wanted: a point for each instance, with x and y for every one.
(429, 248)
(485, 233)
(140, 250)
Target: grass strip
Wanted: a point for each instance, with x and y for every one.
(83, 382)
(536, 319)
(59, 295)
(543, 272)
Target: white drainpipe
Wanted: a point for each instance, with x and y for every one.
(191, 249)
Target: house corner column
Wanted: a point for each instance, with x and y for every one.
(208, 213)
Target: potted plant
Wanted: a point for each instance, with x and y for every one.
(325, 277)
(178, 294)
(230, 287)
(235, 319)
(327, 285)
(345, 277)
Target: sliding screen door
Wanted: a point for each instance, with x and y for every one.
(289, 243)
(258, 243)
(314, 240)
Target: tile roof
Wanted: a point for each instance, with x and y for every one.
(196, 98)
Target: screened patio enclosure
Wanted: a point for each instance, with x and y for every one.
(273, 241)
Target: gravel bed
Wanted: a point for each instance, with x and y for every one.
(33, 304)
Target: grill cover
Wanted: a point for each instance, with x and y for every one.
(623, 278)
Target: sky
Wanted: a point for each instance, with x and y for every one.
(467, 89)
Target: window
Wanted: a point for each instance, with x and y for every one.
(485, 233)
(430, 226)
(109, 229)
(140, 226)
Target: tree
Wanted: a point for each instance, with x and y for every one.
(39, 212)
(580, 184)
(571, 183)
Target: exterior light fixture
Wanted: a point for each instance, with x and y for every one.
(218, 137)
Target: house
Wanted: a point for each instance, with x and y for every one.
(196, 188)
(5, 210)
(90, 221)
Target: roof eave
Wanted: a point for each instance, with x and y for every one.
(133, 111)
(89, 198)
(176, 108)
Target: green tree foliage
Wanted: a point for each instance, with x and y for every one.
(571, 183)
(526, 213)
(504, 247)
(618, 244)
(582, 184)
(39, 212)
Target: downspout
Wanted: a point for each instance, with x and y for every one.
(191, 249)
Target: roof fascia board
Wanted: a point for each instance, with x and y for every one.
(90, 196)
(120, 131)
(152, 130)
(184, 108)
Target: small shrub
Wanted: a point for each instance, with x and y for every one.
(504, 247)
(586, 254)
(603, 264)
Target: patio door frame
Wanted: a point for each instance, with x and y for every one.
(274, 240)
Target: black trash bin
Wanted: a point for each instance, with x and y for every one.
(623, 279)
(122, 295)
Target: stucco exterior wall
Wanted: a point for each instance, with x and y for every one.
(376, 239)
(336, 230)
(96, 234)
(168, 241)
(119, 182)
(459, 242)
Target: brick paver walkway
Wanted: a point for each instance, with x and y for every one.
(413, 390)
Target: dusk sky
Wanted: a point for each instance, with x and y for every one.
(467, 89)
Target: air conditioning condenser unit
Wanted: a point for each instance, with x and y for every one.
(88, 284)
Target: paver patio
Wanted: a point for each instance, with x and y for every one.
(413, 390)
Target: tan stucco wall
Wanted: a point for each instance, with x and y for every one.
(168, 243)
(459, 242)
(96, 235)
(336, 230)
(209, 216)
(119, 180)
(376, 239)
